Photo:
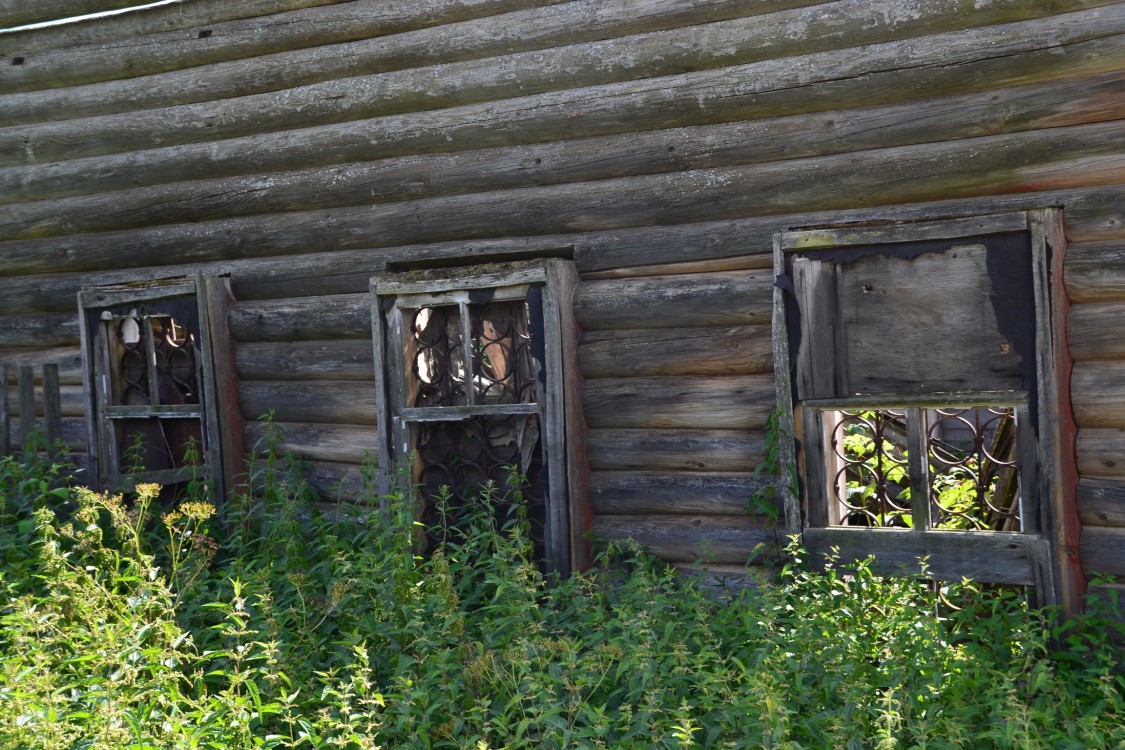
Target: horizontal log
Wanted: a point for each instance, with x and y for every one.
(21, 12)
(1101, 502)
(644, 492)
(72, 400)
(120, 31)
(695, 300)
(189, 80)
(741, 350)
(1095, 272)
(1057, 103)
(338, 316)
(1103, 551)
(57, 329)
(726, 582)
(74, 433)
(719, 44)
(1092, 331)
(68, 358)
(1101, 453)
(674, 450)
(731, 540)
(1098, 394)
(335, 481)
(314, 442)
(349, 359)
(1017, 163)
(315, 402)
(725, 403)
(878, 75)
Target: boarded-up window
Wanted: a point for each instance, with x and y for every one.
(472, 370)
(922, 394)
(148, 375)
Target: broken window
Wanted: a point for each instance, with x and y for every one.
(472, 369)
(148, 376)
(922, 394)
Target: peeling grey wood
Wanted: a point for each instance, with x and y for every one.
(203, 72)
(674, 450)
(1051, 48)
(427, 175)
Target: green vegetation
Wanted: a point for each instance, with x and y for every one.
(129, 625)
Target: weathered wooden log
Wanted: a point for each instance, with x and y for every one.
(339, 316)
(692, 300)
(729, 94)
(68, 358)
(44, 330)
(1103, 550)
(726, 403)
(349, 359)
(315, 442)
(1092, 330)
(1095, 272)
(733, 540)
(1098, 394)
(674, 450)
(403, 178)
(683, 492)
(1000, 164)
(72, 401)
(741, 350)
(20, 12)
(663, 53)
(140, 23)
(1101, 502)
(73, 432)
(1101, 452)
(316, 402)
(493, 35)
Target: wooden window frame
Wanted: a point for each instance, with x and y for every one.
(1044, 556)
(558, 402)
(212, 298)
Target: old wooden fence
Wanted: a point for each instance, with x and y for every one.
(27, 409)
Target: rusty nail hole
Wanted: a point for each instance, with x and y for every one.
(205, 33)
(538, 161)
(17, 61)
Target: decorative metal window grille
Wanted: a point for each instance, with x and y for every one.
(472, 393)
(970, 479)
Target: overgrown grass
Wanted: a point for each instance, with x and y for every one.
(126, 625)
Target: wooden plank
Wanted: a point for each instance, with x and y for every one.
(740, 402)
(388, 383)
(822, 358)
(674, 450)
(321, 402)
(490, 29)
(997, 557)
(681, 301)
(26, 405)
(732, 540)
(175, 16)
(225, 424)
(740, 350)
(940, 65)
(738, 41)
(344, 359)
(676, 149)
(945, 229)
(21, 12)
(52, 407)
(317, 442)
(1101, 452)
(338, 316)
(782, 419)
(1101, 502)
(1098, 394)
(819, 494)
(682, 492)
(556, 303)
(1103, 551)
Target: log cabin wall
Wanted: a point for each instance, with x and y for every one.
(302, 145)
